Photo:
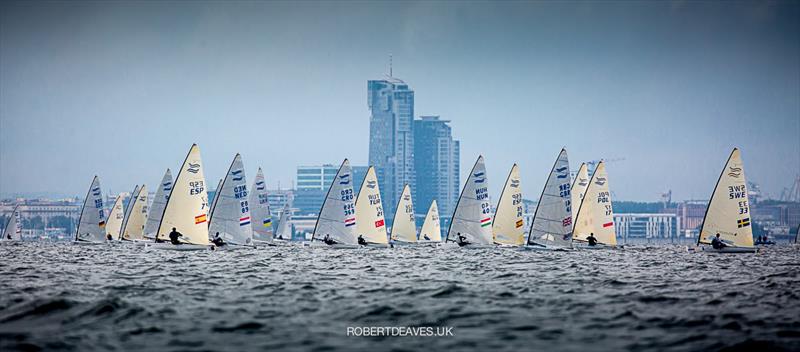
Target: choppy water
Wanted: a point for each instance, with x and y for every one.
(59, 296)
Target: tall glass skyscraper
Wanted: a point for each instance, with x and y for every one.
(391, 138)
(436, 160)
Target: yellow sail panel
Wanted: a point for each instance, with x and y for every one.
(728, 211)
(508, 227)
(596, 214)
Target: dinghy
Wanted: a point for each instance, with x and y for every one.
(12, 231)
(91, 224)
(156, 210)
(187, 208)
(551, 228)
(115, 219)
(284, 232)
(404, 228)
(259, 210)
(596, 215)
(431, 232)
(230, 217)
(508, 228)
(370, 222)
(133, 226)
(336, 224)
(728, 212)
(472, 219)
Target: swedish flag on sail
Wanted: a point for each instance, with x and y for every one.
(743, 222)
(267, 222)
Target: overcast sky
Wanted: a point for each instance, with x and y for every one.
(122, 89)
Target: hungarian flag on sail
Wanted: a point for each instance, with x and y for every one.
(244, 221)
(379, 223)
(520, 223)
(349, 222)
(486, 222)
(608, 224)
(200, 219)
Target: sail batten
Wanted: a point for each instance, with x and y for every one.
(187, 205)
(91, 224)
(259, 209)
(728, 212)
(337, 216)
(230, 216)
(508, 225)
(472, 218)
(403, 226)
(596, 215)
(552, 220)
(370, 221)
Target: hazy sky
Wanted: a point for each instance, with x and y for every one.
(122, 89)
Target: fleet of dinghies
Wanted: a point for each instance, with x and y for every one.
(570, 213)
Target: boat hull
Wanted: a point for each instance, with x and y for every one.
(728, 249)
(375, 245)
(537, 247)
(89, 243)
(583, 246)
(179, 247)
(319, 244)
(404, 244)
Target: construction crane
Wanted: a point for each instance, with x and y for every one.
(792, 194)
(666, 198)
(592, 164)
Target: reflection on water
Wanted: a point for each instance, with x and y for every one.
(59, 296)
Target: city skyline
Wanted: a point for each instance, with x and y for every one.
(670, 87)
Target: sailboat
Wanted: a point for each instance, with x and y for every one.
(508, 228)
(214, 201)
(128, 210)
(370, 222)
(404, 228)
(431, 231)
(156, 210)
(186, 210)
(259, 211)
(230, 216)
(551, 227)
(596, 215)
(12, 231)
(336, 224)
(578, 189)
(728, 212)
(91, 224)
(284, 232)
(114, 220)
(472, 220)
(133, 226)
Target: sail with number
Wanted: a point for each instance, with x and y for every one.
(156, 210)
(284, 231)
(187, 206)
(596, 215)
(578, 188)
(370, 222)
(92, 223)
(728, 212)
(404, 227)
(337, 217)
(259, 209)
(431, 229)
(115, 218)
(12, 231)
(508, 227)
(472, 219)
(230, 216)
(214, 201)
(552, 221)
(133, 226)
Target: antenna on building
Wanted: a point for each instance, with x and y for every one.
(390, 65)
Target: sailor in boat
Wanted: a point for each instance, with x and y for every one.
(8, 236)
(426, 237)
(218, 241)
(717, 243)
(174, 237)
(461, 240)
(361, 240)
(108, 237)
(591, 239)
(328, 240)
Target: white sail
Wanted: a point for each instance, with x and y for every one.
(596, 215)
(115, 218)
(472, 218)
(259, 209)
(284, 231)
(187, 207)
(552, 221)
(508, 227)
(728, 212)
(12, 231)
(91, 224)
(403, 227)
(214, 201)
(370, 221)
(230, 216)
(431, 228)
(156, 210)
(128, 209)
(578, 188)
(337, 217)
(133, 226)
